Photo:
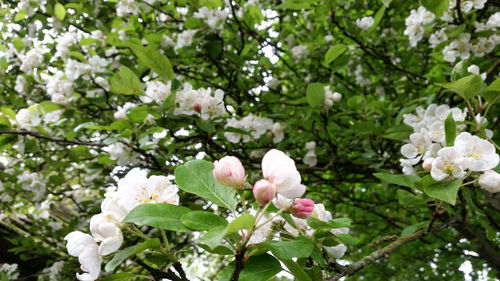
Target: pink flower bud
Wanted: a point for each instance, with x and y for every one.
(303, 208)
(427, 165)
(264, 191)
(197, 107)
(229, 171)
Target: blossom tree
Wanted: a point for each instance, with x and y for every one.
(249, 140)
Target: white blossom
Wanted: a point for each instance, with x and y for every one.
(365, 23)
(28, 118)
(448, 163)
(280, 170)
(478, 154)
(299, 52)
(490, 181)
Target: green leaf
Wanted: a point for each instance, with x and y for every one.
(340, 222)
(202, 220)
(20, 15)
(446, 191)
(442, 190)
(318, 224)
(18, 44)
(466, 87)
(296, 270)
(130, 251)
(300, 247)
(459, 71)
(492, 92)
(257, 268)
(315, 94)
(296, 4)
(59, 11)
(450, 129)
(346, 239)
(334, 52)
(213, 237)
(405, 198)
(315, 273)
(49, 106)
(437, 7)
(138, 114)
(245, 221)
(4, 123)
(169, 103)
(378, 17)
(335, 223)
(120, 125)
(196, 177)
(122, 276)
(77, 55)
(222, 250)
(161, 215)
(126, 82)
(398, 132)
(404, 180)
(158, 62)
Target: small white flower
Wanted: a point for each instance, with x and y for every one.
(310, 159)
(479, 155)
(28, 118)
(490, 181)
(280, 170)
(448, 163)
(365, 23)
(299, 52)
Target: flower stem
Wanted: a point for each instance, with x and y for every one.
(165, 240)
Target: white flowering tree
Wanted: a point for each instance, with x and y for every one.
(249, 140)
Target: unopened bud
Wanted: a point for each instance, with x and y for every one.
(264, 191)
(303, 208)
(229, 171)
(427, 165)
(197, 107)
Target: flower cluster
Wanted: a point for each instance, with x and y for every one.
(256, 126)
(281, 185)
(211, 17)
(134, 189)
(469, 153)
(299, 52)
(310, 157)
(415, 23)
(331, 97)
(204, 101)
(10, 270)
(365, 23)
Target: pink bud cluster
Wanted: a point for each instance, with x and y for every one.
(280, 177)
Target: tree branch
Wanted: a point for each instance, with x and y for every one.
(364, 262)
(53, 139)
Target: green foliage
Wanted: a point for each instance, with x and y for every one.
(315, 94)
(161, 215)
(299, 247)
(202, 220)
(438, 7)
(450, 129)
(196, 177)
(441, 190)
(130, 251)
(126, 82)
(334, 52)
(466, 87)
(403, 180)
(257, 268)
(154, 60)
